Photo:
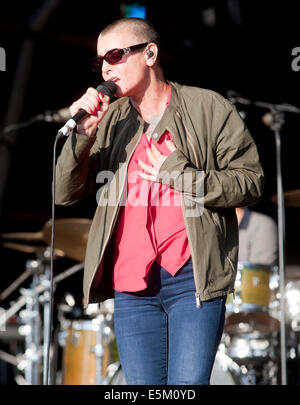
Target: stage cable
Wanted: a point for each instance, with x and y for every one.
(47, 360)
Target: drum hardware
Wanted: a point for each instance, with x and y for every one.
(9, 358)
(71, 234)
(115, 374)
(255, 357)
(225, 370)
(7, 314)
(41, 252)
(38, 293)
(292, 297)
(31, 319)
(252, 326)
(17, 361)
(242, 370)
(100, 352)
(245, 348)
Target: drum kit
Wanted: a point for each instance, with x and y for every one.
(83, 349)
(249, 353)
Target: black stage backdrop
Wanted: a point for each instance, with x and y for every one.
(245, 46)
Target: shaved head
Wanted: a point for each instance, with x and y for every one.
(143, 30)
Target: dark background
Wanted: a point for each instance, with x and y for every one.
(247, 48)
(248, 51)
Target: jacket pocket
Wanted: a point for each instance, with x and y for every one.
(221, 237)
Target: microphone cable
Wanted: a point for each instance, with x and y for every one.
(47, 361)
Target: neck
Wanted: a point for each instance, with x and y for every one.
(240, 214)
(151, 101)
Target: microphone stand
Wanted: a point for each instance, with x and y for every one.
(275, 120)
(276, 123)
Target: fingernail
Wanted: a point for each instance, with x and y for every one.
(168, 137)
(98, 107)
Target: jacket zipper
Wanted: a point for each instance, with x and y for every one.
(197, 294)
(198, 300)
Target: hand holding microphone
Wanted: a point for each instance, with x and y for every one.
(89, 110)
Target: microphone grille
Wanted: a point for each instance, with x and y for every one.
(107, 88)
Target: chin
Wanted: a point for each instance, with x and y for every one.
(121, 93)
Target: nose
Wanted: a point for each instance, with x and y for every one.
(106, 67)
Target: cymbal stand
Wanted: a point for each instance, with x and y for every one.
(15, 284)
(5, 315)
(31, 319)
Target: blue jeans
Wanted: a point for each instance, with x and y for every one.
(162, 337)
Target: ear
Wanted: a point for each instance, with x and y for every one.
(151, 54)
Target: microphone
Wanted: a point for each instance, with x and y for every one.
(235, 97)
(107, 88)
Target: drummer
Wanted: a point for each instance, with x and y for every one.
(258, 240)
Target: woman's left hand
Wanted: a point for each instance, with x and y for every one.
(156, 159)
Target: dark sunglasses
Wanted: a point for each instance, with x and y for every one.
(113, 56)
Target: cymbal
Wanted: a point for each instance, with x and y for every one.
(291, 198)
(70, 237)
(28, 236)
(30, 248)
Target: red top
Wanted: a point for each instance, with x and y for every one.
(150, 226)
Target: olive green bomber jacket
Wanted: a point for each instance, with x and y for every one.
(215, 167)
